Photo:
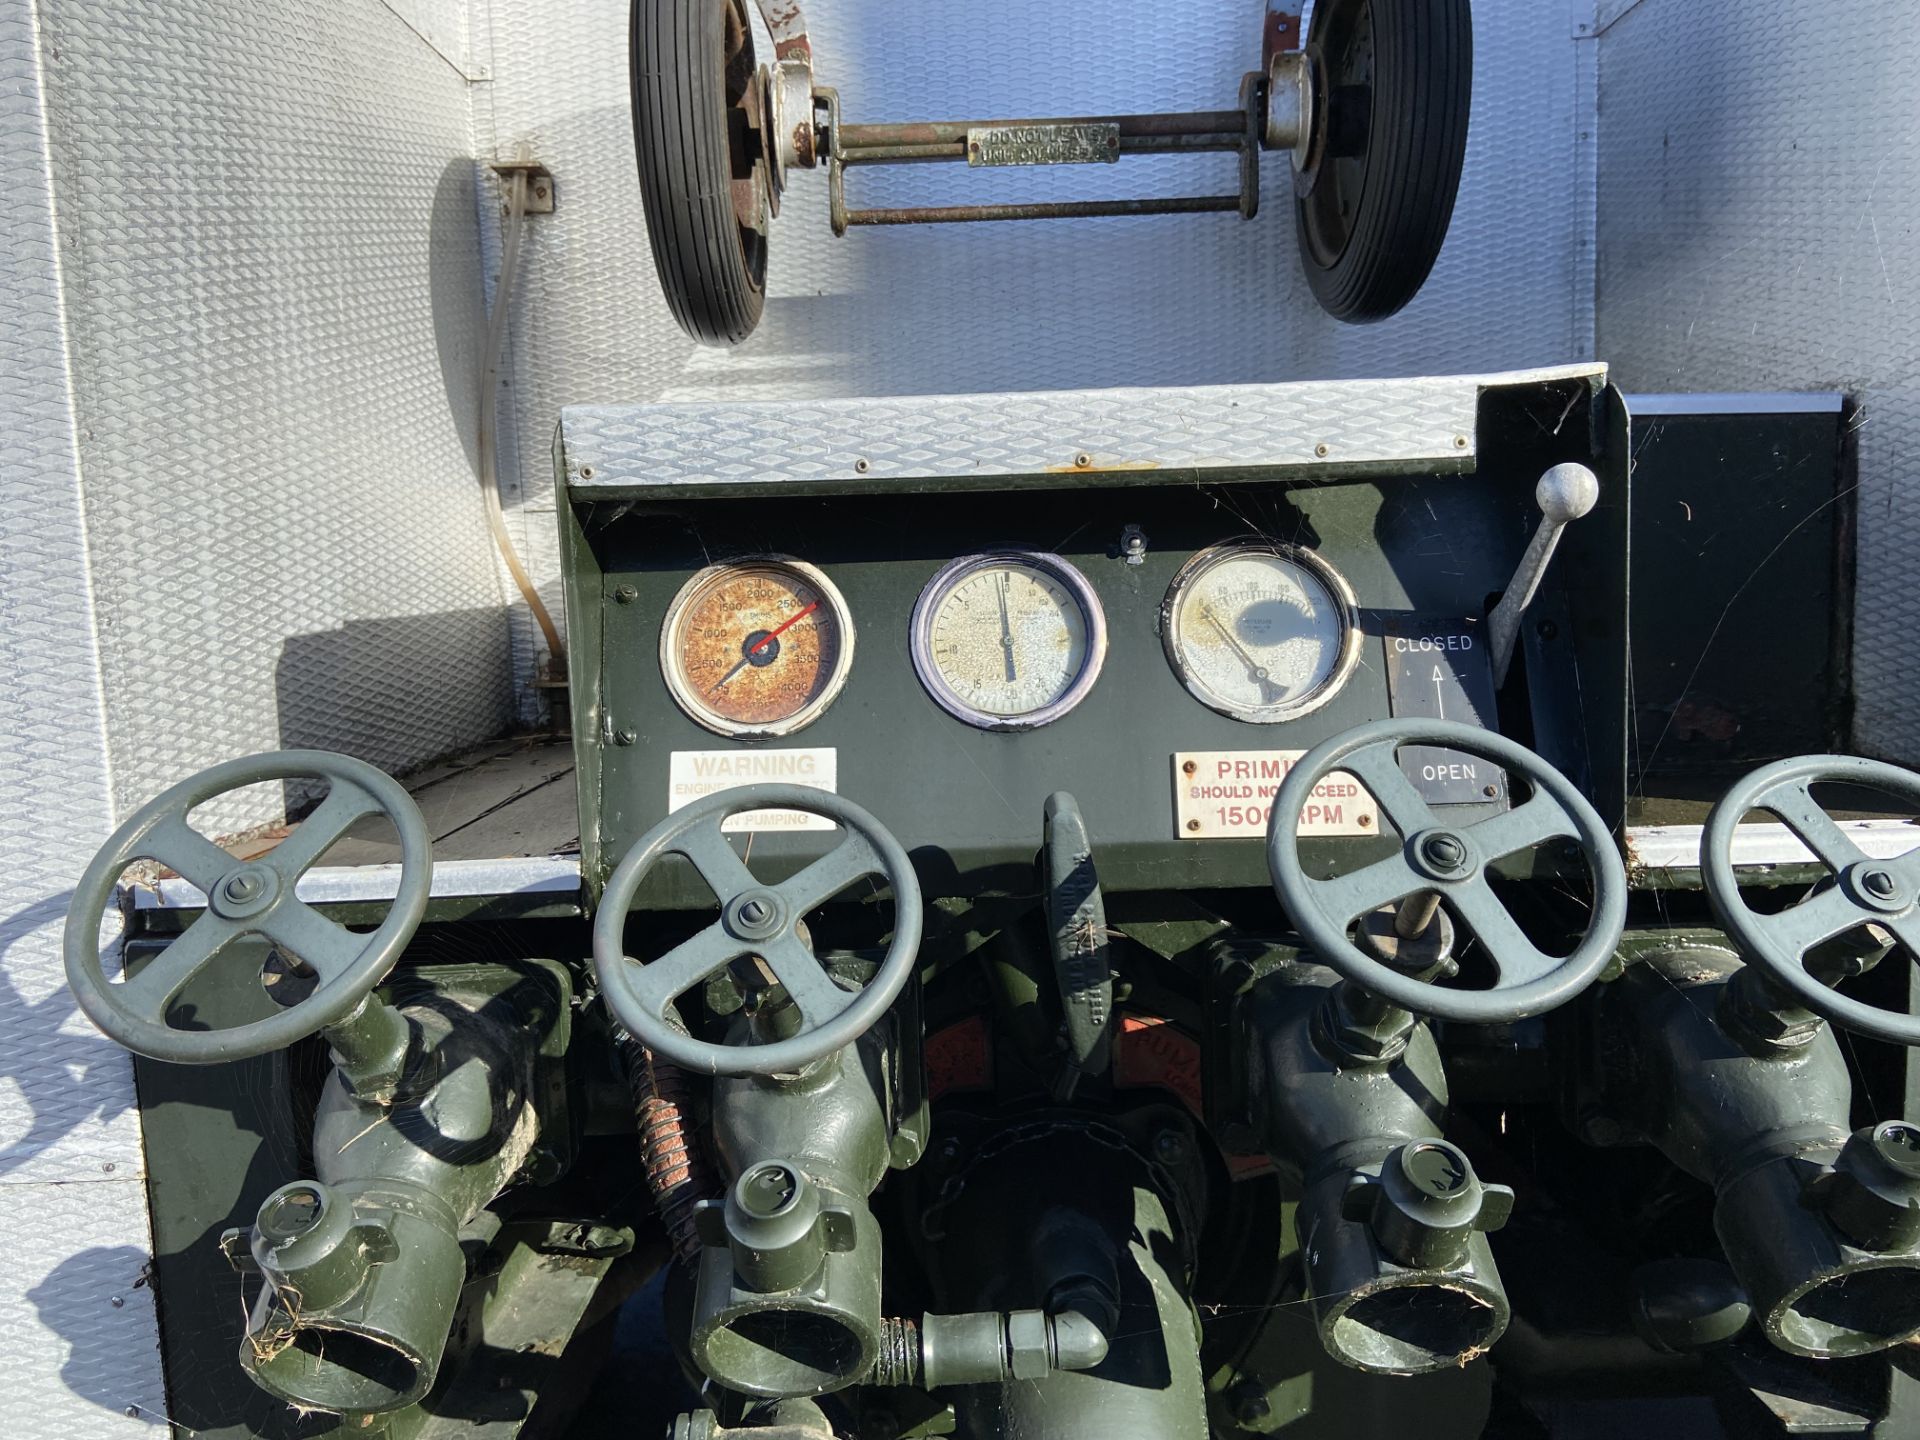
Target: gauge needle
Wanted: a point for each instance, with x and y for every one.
(764, 641)
(1254, 667)
(1006, 629)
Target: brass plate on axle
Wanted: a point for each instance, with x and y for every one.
(1066, 144)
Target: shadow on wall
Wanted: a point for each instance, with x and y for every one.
(396, 692)
(400, 691)
(100, 1301)
(455, 293)
(71, 1302)
(69, 1068)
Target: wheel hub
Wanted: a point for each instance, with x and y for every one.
(756, 915)
(760, 921)
(1878, 888)
(1443, 855)
(244, 892)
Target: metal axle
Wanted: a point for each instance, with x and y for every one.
(1097, 139)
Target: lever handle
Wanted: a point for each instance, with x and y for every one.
(1564, 494)
(1077, 925)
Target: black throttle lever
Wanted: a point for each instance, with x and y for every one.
(1077, 937)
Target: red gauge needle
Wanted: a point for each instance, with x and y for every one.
(784, 626)
(764, 641)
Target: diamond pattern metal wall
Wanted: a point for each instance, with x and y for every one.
(273, 294)
(73, 1227)
(1759, 211)
(239, 513)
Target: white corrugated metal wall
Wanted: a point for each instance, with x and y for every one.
(1759, 228)
(272, 266)
(241, 272)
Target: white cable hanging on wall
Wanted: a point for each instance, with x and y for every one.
(517, 178)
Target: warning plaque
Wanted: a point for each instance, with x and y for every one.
(1228, 795)
(692, 774)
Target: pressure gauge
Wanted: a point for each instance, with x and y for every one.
(756, 647)
(1260, 631)
(1008, 640)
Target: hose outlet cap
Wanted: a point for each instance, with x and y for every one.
(1872, 1193)
(778, 1226)
(1426, 1204)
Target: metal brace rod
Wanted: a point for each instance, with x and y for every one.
(1232, 131)
(947, 139)
(1056, 210)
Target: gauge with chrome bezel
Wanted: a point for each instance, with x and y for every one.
(1260, 631)
(756, 647)
(1008, 639)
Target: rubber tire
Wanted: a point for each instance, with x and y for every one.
(1422, 94)
(680, 139)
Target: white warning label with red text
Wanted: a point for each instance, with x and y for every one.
(694, 774)
(1228, 795)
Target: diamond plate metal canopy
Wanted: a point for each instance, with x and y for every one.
(1333, 427)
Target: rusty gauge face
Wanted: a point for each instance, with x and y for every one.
(1259, 631)
(1008, 640)
(756, 647)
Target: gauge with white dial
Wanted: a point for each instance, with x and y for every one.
(756, 647)
(1008, 640)
(1259, 631)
